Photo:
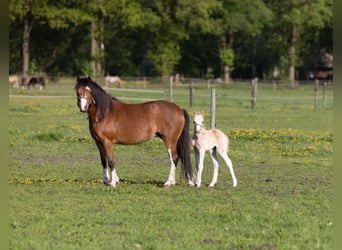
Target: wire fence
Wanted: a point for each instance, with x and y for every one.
(188, 89)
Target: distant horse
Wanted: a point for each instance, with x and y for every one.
(25, 81)
(114, 122)
(213, 140)
(36, 80)
(115, 80)
(13, 79)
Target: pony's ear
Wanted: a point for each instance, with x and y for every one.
(89, 78)
(78, 78)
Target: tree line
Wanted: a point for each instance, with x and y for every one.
(195, 38)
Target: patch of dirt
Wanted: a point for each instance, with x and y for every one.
(266, 246)
(208, 241)
(43, 158)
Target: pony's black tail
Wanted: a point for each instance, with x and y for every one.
(183, 149)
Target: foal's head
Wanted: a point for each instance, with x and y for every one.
(198, 120)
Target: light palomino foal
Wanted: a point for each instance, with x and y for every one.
(13, 79)
(213, 141)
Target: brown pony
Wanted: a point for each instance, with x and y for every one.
(114, 122)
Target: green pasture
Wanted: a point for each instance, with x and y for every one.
(281, 151)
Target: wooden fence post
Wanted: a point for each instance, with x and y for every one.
(177, 78)
(190, 93)
(212, 108)
(171, 89)
(253, 92)
(316, 93)
(324, 95)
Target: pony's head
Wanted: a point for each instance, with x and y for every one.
(90, 93)
(84, 94)
(198, 120)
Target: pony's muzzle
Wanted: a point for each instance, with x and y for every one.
(83, 104)
(198, 128)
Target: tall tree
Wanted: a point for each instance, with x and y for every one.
(112, 21)
(173, 22)
(31, 13)
(164, 48)
(242, 16)
(198, 49)
(294, 18)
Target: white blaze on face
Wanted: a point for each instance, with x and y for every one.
(83, 104)
(198, 120)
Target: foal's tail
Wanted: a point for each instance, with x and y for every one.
(183, 149)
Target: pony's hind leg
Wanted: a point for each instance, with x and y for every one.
(214, 159)
(230, 166)
(171, 181)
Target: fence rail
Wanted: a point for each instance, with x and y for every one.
(192, 89)
(181, 80)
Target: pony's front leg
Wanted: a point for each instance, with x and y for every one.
(171, 181)
(106, 177)
(199, 161)
(115, 177)
(111, 163)
(107, 157)
(214, 159)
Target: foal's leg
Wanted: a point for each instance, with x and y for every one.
(197, 160)
(201, 154)
(229, 165)
(214, 159)
(196, 157)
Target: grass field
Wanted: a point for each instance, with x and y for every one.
(282, 156)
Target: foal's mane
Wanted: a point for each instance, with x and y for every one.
(101, 98)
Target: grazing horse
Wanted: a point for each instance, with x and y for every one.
(115, 80)
(13, 79)
(35, 80)
(114, 122)
(213, 140)
(25, 81)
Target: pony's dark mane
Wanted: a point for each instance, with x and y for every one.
(101, 98)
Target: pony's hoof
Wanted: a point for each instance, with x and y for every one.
(191, 184)
(114, 183)
(168, 185)
(212, 185)
(234, 183)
